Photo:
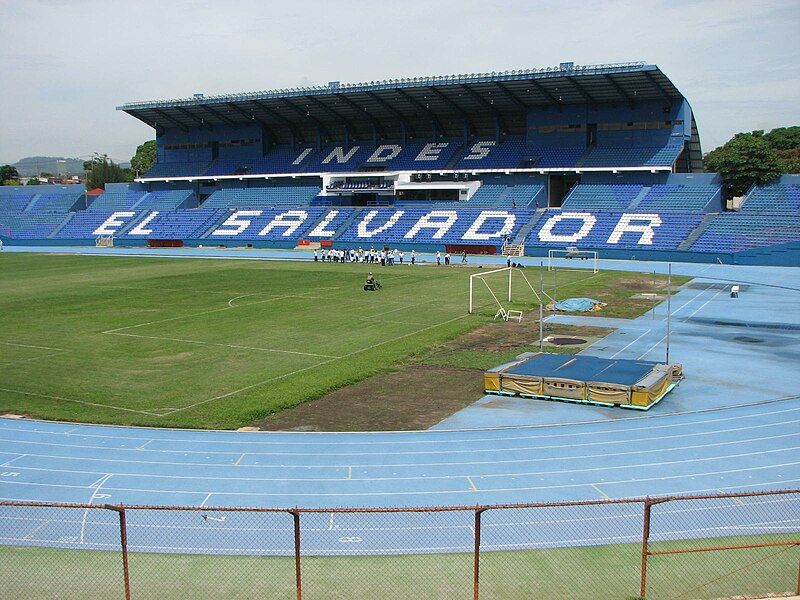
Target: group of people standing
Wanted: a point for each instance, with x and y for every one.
(384, 257)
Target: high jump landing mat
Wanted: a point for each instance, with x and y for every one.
(584, 379)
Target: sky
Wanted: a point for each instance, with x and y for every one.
(67, 65)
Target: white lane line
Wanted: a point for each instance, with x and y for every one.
(303, 370)
(338, 494)
(32, 346)
(630, 344)
(203, 503)
(36, 529)
(601, 492)
(467, 466)
(636, 421)
(663, 339)
(330, 523)
(97, 404)
(99, 483)
(445, 452)
(8, 462)
(239, 460)
(703, 305)
(235, 346)
(143, 446)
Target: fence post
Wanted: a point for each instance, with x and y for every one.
(297, 573)
(645, 540)
(123, 540)
(476, 564)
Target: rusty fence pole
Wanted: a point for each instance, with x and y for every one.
(797, 592)
(476, 563)
(297, 573)
(123, 540)
(645, 539)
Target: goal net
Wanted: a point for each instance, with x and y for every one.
(572, 259)
(104, 241)
(505, 292)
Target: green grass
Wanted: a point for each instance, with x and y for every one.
(219, 344)
(608, 572)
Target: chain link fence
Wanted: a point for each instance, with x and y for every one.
(690, 547)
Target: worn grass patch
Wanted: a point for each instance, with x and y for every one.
(221, 344)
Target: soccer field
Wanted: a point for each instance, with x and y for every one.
(221, 343)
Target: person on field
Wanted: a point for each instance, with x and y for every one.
(401, 257)
(447, 258)
(464, 256)
(316, 258)
(438, 258)
(413, 256)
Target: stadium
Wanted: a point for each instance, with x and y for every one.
(142, 326)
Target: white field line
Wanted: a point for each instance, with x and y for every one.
(457, 440)
(218, 479)
(203, 503)
(8, 462)
(32, 359)
(98, 484)
(448, 463)
(97, 404)
(33, 531)
(32, 346)
(235, 346)
(285, 375)
(460, 489)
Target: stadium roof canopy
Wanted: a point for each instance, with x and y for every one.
(449, 105)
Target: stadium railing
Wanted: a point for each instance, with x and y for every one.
(694, 546)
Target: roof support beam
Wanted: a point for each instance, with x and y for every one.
(501, 122)
(388, 107)
(375, 125)
(348, 124)
(511, 96)
(581, 90)
(218, 115)
(661, 91)
(199, 121)
(619, 89)
(172, 120)
(540, 88)
(416, 103)
(282, 120)
(307, 115)
(252, 117)
(456, 108)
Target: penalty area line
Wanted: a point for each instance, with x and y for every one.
(87, 403)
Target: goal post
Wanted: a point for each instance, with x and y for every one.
(104, 241)
(556, 259)
(500, 288)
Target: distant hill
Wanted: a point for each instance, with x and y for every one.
(57, 165)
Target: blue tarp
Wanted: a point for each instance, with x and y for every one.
(578, 305)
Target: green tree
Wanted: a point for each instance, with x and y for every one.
(7, 173)
(144, 158)
(34, 181)
(102, 170)
(745, 160)
(784, 138)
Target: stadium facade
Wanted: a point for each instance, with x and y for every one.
(606, 158)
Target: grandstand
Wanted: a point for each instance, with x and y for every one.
(605, 158)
